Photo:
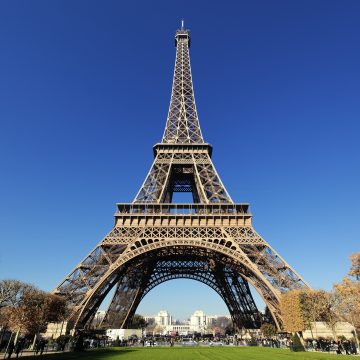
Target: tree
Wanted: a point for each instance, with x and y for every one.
(348, 305)
(304, 307)
(355, 266)
(11, 292)
(158, 329)
(117, 342)
(268, 330)
(229, 329)
(150, 325)
(55, 308)
(225, 324)
(346, 295)
(138, 322)
(290, 305)
(296, 343)
(34, 309)
(314, 305)
(331, 316)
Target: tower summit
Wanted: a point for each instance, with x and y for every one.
(154, 240)
(182, 125)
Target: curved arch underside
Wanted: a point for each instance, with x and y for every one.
(191, 264)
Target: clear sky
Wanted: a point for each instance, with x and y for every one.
(84, 94)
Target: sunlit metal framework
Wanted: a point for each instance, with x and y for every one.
(191, 263)
(154, 240)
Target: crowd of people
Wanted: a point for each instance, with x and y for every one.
(15, 349)
(344, 346)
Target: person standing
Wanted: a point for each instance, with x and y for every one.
(37, 347)
(18, 347)
(42, 346)
(10, 349)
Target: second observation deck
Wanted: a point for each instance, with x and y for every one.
(182, 209)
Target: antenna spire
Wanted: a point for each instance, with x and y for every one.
(182, 125)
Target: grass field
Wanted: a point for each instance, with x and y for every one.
(178, 353)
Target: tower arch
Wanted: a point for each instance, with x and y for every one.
(132, 271)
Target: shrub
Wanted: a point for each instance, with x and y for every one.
(296, 344)
(117, 342)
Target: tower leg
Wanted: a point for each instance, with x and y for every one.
(127, 296)
(236, 293)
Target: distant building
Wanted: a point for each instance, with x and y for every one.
(199, 323)
(98, 318)
(163, 318)
(322, 330)
(54, 330)
(123, 334)
(149, 318)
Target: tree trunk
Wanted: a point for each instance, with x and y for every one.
(34, 342)
(355, 335)
(17, 336)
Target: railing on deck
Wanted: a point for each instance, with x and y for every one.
(180, 209)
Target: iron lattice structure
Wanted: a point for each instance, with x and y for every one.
(154, 240)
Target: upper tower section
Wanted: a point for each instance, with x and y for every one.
(182, 126)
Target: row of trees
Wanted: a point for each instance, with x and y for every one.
(26, 309)
(302, 308)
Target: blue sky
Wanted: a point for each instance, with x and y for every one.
(84, 94)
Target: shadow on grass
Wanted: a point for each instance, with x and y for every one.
(97, 354)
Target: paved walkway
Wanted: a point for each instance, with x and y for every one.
(29, 353)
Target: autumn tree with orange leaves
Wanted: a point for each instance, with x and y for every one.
(348, 293)
(292, 316)
(302, 308)
(24, 308)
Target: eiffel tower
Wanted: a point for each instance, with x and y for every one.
(154, 240)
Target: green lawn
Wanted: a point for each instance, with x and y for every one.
(193, 353)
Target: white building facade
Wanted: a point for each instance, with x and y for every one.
(163, 318)
(199, 323)
(123, 334)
